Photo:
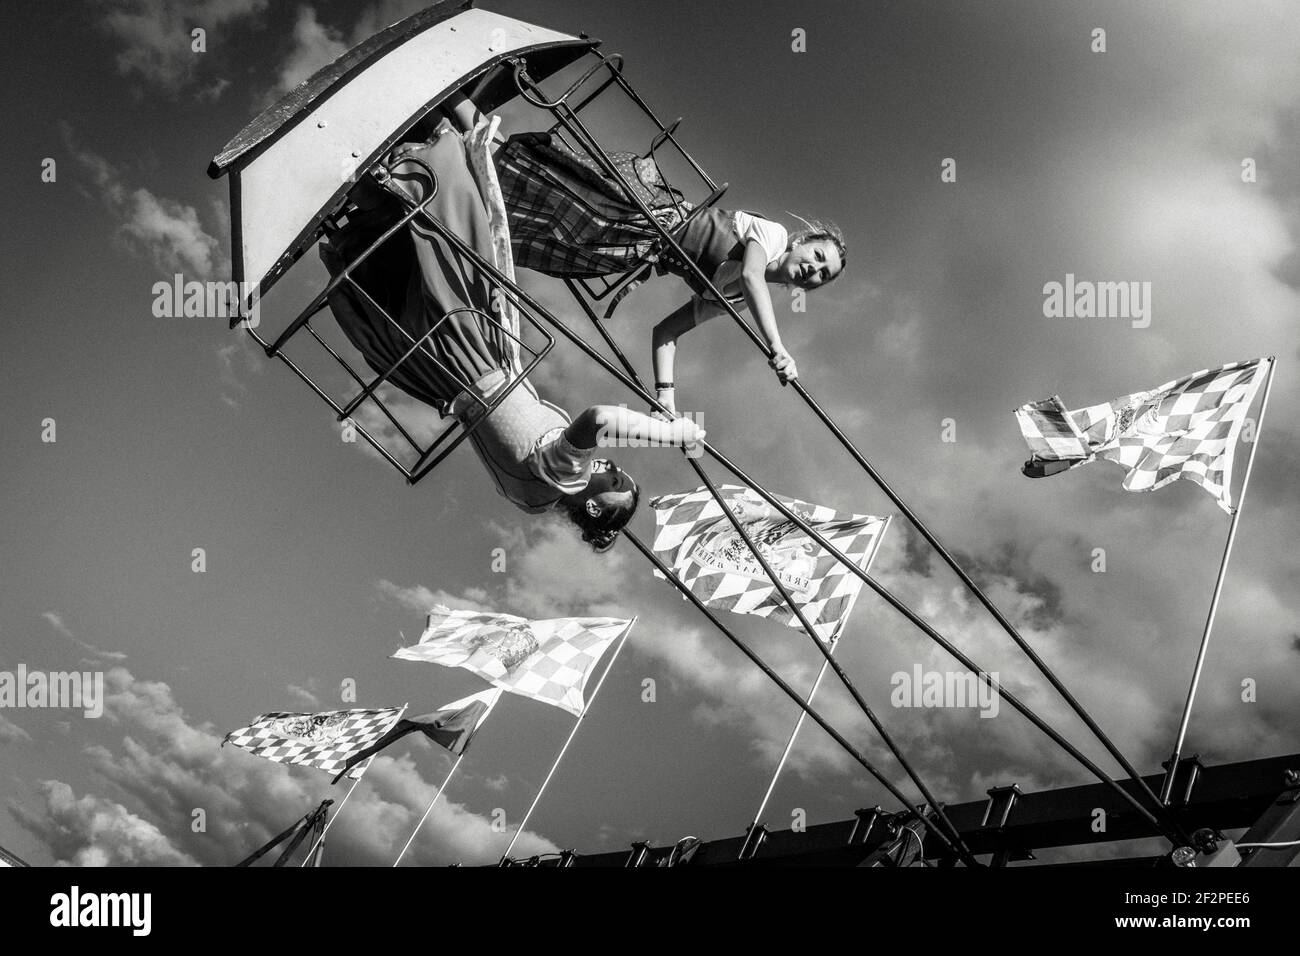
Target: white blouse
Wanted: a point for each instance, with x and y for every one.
(771, 236)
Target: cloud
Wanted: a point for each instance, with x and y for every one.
(155, 38)
(304, 696)
(421, 422)
(235, 361)
(12, 733)
(316, 44)
(420, 598)
(166, 767)
(55, 620)
(169, 232)
(91, 831)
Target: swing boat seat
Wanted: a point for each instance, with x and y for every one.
(295, 169)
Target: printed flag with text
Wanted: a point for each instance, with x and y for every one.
(696, 539)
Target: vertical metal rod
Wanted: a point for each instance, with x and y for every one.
(572, 733)
(1167, 786)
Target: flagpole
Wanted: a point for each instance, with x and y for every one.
(446, 780)
(572, 733)
(330, 822)
(429, 809)
(803, 714)
(789, 745)
(1174, 757)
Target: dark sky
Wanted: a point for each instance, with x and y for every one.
(173, 435)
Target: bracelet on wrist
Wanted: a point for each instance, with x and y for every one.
(664, 386)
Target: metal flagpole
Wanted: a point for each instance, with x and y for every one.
(1174, 757)
(572, 733)
(803, 714)
(446, 780)
(330, 822)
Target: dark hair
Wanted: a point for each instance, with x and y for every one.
(817, 230)
(601, 531)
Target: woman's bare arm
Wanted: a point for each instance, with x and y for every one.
(606, 426)
(759, 299)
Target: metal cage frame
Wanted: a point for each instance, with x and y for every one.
(585, 292)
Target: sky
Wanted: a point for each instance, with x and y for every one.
(171, 434)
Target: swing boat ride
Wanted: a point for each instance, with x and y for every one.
(294, 173)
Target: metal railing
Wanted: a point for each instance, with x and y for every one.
(426, 456)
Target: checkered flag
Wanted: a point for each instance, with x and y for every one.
(325, 741)
(1187, 428)
(546, 660)
(699, 542)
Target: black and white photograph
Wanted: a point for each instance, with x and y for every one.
(758, 437)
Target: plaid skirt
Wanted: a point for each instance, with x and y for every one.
(568, 218)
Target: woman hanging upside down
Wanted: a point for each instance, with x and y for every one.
(540, 458)
(568, 218)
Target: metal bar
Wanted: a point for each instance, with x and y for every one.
(812, 635)
(970, 584)
(1232, 796)
(378, 446)
(1214, 600)
(304, 821)
(605, 60)
(415, 346)
(604, 333)
(357, 378)
(772, 675)
(319, 301)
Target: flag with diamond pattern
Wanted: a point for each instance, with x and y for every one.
(1187, 428)
(697, 540)
(325, 741)
(548, 660)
